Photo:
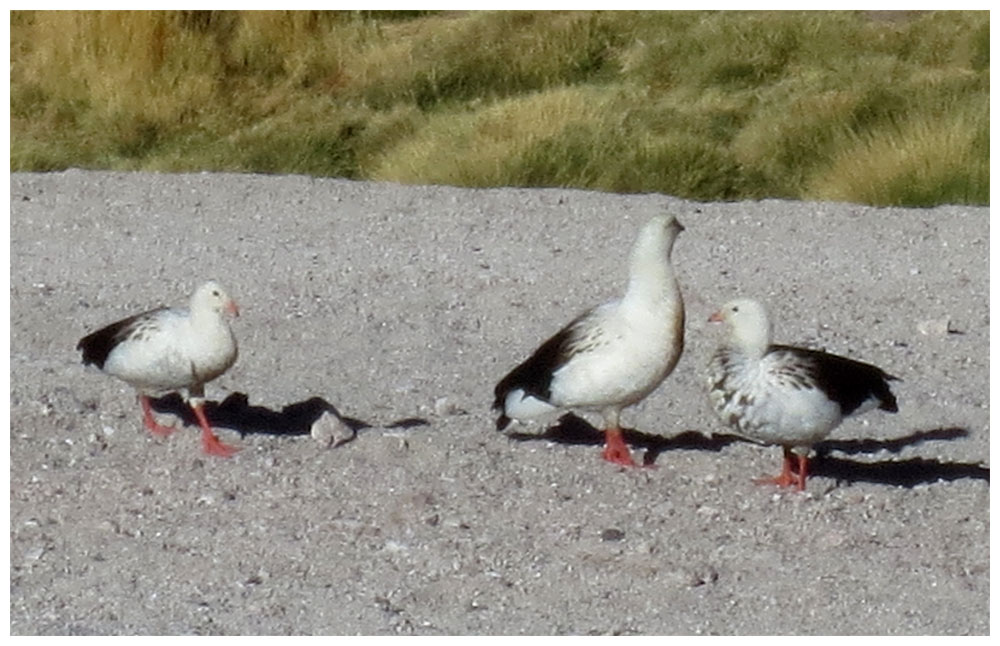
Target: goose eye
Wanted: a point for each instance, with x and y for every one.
(215, 292)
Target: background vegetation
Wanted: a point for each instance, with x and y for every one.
(872, 107)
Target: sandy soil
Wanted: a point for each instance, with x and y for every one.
(397, 308)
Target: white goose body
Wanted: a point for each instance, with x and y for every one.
(613, 355)
(170, 349)
(608, 366)
(777, 394)
(764, 401)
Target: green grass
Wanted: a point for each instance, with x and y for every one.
(887, 109)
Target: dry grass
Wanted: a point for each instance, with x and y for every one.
(709, 105)
(438, 152)
(920, 162)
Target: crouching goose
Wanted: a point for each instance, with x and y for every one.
(611, 356)
(777, 394)
(168, 349)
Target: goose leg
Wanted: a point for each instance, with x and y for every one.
(151, 423)
(786, 479)
(209, 442)
(615, 449)
(803, 471)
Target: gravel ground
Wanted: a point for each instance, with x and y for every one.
(391, 311)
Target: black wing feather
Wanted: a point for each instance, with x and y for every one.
(848, 382)
(96, 346)
(534, 375)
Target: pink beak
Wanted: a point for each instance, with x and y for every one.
(715, 318)
(233, 308)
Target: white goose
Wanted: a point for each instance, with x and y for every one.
(611, 356)
(166, 350)
(777, 394)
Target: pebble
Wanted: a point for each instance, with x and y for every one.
(612, 534)
(443, 407)
(832, 539)
(168, 419)
(331, 431)
(692, 576)
(934, 327)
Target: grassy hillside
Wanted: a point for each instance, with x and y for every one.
(876, 108)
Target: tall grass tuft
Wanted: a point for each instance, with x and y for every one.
(918, 162)
(481, 57)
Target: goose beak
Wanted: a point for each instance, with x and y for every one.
(232, 308)
(716, 317)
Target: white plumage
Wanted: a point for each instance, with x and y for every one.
(785, 395)
(166, 350)
(613, 355)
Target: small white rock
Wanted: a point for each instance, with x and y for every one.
(395, 546)
(329, 430)
(934, 327)
(443, 407)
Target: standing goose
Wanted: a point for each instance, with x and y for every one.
(611, 356)
(168, 349)
(778, 394)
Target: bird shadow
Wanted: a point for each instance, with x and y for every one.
(572, 429)
(902, 473)
(236, 413)
(894, 445)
